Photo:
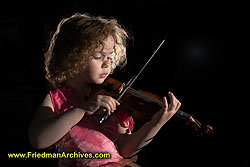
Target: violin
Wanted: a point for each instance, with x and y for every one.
(142, 105)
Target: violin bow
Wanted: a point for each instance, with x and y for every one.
(132, 80)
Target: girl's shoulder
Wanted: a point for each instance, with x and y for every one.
(47, 102)
(44, 111)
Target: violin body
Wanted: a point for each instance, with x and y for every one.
(141, 105)
(137, 107)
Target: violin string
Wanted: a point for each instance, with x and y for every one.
(145, 97)
(179, 113)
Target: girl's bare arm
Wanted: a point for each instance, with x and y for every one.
(46, 127)
(129, 144)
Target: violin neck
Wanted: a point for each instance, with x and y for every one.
(148, 99)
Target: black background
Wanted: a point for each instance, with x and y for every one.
(201, 63)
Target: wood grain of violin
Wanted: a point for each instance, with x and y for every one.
(142, 105)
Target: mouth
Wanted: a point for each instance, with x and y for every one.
(103, 75)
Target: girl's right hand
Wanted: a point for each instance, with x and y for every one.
(99, 104)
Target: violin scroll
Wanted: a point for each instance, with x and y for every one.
(199, 128)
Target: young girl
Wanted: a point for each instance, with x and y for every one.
(86, 49)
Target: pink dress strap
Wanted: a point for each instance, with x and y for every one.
(88, 136)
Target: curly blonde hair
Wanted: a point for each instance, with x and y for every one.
(74, 43)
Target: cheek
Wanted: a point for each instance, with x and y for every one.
(88, 75)
(93, 67)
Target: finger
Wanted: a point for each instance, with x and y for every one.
(106, 106)
(117, 102)
(114, 103)
(165, 103)
(172, 101)
(109, 100)
(112, 100)
(178, 105)
(102, 111)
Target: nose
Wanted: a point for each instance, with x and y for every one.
(106, 63)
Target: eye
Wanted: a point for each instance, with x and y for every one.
(97, 56)
(111, 56)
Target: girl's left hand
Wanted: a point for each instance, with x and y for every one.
(167, 111)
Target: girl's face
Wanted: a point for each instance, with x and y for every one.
(99, 66)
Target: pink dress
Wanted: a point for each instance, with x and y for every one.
(88, 136)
